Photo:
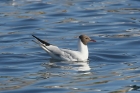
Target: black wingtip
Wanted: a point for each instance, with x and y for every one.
(34, 36)
(46, 43)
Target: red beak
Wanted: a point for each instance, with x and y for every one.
(93, 40)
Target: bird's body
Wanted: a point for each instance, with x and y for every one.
(66, 54)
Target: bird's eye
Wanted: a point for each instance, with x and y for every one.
(86, 38)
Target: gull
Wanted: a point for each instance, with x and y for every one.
(66, 54)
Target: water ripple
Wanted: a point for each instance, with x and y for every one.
(113, 65)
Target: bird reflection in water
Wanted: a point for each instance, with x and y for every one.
(69, 65)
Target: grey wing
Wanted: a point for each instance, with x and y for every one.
(54, 51)
(62, 54)
(57, 53)
(71, 55)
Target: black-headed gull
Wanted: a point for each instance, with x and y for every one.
(65, 54)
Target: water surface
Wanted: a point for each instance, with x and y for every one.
(113, 65)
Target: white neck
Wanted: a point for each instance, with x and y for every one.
(83, 48)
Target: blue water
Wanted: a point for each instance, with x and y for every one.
(114, 60)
